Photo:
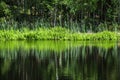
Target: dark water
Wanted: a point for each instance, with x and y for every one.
(59, 60)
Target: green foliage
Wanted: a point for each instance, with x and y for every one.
(62, 12)
(105, 35)
(56, 33)
(4, 10)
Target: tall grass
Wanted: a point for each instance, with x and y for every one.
(56, 33)
(41, 30)
(73, 26)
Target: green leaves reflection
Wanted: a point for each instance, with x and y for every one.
(52, 60)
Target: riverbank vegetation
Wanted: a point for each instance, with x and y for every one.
(56, 33)
(59, 20)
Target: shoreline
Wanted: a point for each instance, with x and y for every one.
(57, 33)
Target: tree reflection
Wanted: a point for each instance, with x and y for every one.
(75, 63)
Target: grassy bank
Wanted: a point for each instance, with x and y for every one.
(56, 33)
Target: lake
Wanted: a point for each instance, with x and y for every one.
(59, 60)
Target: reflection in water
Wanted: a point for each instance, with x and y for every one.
(49, 60)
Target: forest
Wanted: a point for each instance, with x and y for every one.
(86, 16)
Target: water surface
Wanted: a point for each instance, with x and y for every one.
(59, 60)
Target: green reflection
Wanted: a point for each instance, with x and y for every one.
(52, 60)
(9, 49)
(53, 45)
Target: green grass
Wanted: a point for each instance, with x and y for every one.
(56, 33)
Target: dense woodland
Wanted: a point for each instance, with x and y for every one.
(80, 14)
